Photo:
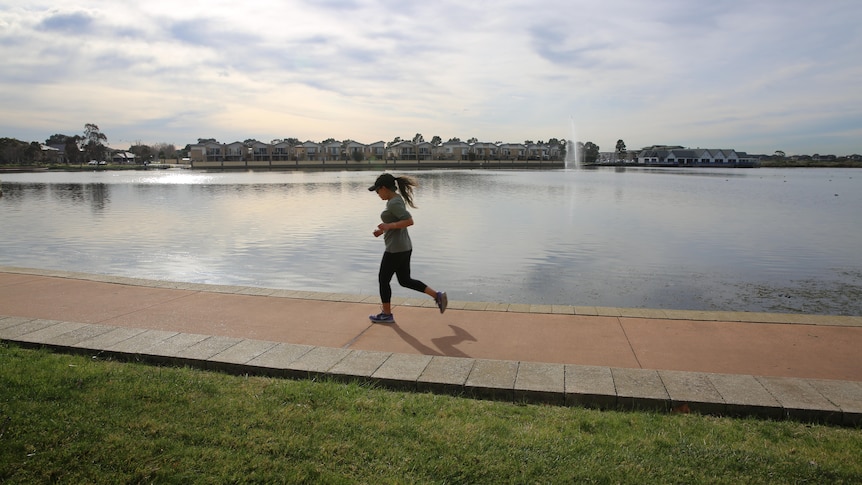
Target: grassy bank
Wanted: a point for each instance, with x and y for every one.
(79, 419)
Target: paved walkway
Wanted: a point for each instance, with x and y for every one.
(806, 367)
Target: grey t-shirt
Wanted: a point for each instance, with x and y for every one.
(397, 240)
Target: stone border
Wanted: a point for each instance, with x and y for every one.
(695, 315)
(808, 400)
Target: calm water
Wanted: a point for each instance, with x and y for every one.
(754, 240)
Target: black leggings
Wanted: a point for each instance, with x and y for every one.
(396, 264)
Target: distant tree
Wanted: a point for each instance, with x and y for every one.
(72, 149)
(418, 138)
(56, 139)
(528, 142)
(621, 150)
(11, 151)
(33, 152)
(143, 153)
(357, 156)
(397, 139)
(201, 141)
(164, 150)
(94, 142)
(779, 154)
(591, 153)
(473, 140)
(436, 141)
(454, 139)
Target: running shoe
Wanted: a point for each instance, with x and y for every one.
(382, 318)
(442, 301)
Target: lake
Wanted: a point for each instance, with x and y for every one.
(787, 240)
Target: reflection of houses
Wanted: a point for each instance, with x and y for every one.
(675, 156)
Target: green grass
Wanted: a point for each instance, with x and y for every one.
(78, 419)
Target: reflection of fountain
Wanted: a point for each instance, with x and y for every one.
(572, 155)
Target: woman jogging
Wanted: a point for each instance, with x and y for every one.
(396, 258)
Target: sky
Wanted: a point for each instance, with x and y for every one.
(751, 75)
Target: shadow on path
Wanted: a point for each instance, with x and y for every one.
(447, 345)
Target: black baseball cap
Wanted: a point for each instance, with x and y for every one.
(385, 180)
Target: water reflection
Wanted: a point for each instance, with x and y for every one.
(740, 240)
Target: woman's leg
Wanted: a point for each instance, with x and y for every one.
(387, 269)
(402, 271)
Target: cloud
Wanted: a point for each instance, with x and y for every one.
(68, 23)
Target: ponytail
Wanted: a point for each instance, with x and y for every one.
(405, 186)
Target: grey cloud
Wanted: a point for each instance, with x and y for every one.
(74, 22)
(210, 33)
(335, 4)
(551, 45)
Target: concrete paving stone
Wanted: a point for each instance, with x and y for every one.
(642, 313)
(562, 309)
(316, 362)
(744, 395)
(640, 389)
(40, 336)
(538, 382)
(350, 298)
(492, 379)
(318, 295)
(254, 291)
(475, 306)
(685, 314)
(165, 352)
(760, 317)
(84, 332)
(140, 342)
(24, 327)
(847, 395)
(8, 322)
(497, 307)
(445, 375)
(234, 359)
(401, 371)
(692, 391)
(608, 311)
(274, 361)
(106, 340)
(197, 354)
(453, 304)
(590, 386)
(228, 289)
(800, 400)
(541, 309)
(359, 364)
(519, 308)
(586, 310)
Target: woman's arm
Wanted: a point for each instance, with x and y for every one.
(404, 223)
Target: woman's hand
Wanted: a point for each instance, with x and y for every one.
(381, 228)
